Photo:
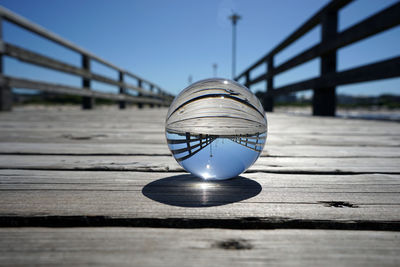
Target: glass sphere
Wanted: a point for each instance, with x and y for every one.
(216, 129)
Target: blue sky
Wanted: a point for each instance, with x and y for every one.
(165, 41)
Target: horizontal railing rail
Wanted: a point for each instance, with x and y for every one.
(154, 95)
(324, 100)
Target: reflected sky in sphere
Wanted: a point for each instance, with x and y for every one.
(216, 129)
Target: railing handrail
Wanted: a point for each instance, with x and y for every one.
(331, 40)
(31, 26)
(298, 33)
(51, 63)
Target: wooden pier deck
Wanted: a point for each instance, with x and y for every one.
(100, 187)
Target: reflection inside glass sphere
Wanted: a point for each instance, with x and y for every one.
(215, 157)
(216, 129)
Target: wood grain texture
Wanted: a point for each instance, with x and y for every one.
(107, 168)
(196, 247)
(66, 167)
(85, 148)
(370, 197)
(100, 127)
(168, 164)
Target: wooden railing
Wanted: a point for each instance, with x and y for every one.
(324, 99)
(154, 95)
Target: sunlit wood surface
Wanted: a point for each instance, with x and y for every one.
(101, 187)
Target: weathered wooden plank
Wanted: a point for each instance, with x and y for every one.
(168, 164)
(319, 151)
(105, 119)
(80, 148)
(196, 247)
(46, 132)
(140, 134)
(91, 149)
(264, 197)
(377, 131)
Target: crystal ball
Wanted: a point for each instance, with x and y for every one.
(216, 129)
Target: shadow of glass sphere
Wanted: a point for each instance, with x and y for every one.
(190, 191)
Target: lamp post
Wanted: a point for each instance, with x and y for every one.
(215, 67)
(234, 17)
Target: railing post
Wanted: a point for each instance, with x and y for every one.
(6, 97)
(268, 101)
(122, 103)
(159, 93)
(324, 99)
(87, 101)
(247, 82)
(140, 105)
(151, 90)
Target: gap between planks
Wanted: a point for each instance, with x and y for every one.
(245, 223)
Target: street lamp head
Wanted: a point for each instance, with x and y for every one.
(234, 17)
